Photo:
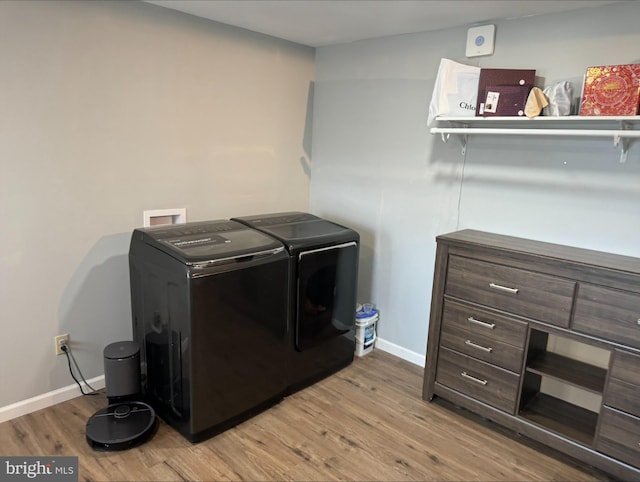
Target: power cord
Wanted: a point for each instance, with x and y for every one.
(67, 351)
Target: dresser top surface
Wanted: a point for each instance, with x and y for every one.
(581, 256)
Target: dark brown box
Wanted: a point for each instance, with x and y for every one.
(506, 100)
(492, 77)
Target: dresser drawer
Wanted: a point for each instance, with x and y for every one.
(623, 396)
(626, 367)
(534, 295)
(483, 322)
(619, 436)
(487, 383)
(624, 383)
(608, 313)
(479, 342)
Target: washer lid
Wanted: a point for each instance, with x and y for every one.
(121, 426)
(307, 230)
(206, 240)
(264, 220)
(300, 230)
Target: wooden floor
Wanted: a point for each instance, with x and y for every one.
(367, 422)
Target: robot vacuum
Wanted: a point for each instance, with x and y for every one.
(125, 422)
(121, 426)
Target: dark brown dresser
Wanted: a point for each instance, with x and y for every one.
(543, 339)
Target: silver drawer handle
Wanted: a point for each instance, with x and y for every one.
(491, 326)
(474, 379)
(503, 288)
(488, 349)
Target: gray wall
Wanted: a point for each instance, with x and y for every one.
(377, 167)
(108, 109)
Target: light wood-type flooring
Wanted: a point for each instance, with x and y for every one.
(366, 422)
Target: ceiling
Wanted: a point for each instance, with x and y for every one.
(318, 23)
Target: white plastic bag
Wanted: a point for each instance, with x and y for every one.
(559, 96)
(455, 92)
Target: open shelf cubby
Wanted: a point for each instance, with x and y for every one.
(562, 368)
(560, 416)
(560, 391)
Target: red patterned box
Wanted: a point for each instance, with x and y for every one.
(611, 90)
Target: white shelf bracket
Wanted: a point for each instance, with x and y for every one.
(463, 140)
(624, 147)
(623, 142)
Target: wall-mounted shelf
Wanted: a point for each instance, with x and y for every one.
(620, 129)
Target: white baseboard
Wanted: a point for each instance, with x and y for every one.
(63, 394)
(400, 352)
(45, 400)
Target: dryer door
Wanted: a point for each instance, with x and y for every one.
(326, 300)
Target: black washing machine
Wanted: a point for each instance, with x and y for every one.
(209, 302)
(324, 272)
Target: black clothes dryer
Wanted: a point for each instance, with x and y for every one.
(324, 271)
(209, 303)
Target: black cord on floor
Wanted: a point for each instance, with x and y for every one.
(75, 363)
(67, 351)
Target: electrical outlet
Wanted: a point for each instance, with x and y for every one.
(59, 341)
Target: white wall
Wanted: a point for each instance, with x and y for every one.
(108, 109)
(376, 167)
